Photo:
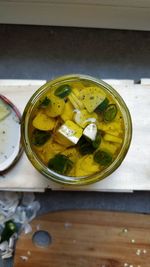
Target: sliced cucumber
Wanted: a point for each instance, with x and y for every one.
(85, 146)
(60, 163)
(45, 103)
(102, 157)
(63, 91)
(40, 137)
(97, 141)
(9, 229)
(110, 113)
(103, 105)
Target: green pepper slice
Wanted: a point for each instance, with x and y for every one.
(102, 106)
(40, 137)
(9, 229)
(85, 146)
(46, 102)
(97, 140)
(110, 113)
(63, 91)
(60, 163)
(102, 157)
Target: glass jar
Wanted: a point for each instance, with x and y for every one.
(40, 166)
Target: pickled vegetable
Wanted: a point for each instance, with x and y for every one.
(77, 129)
(60, 163)
(85, 146)
(110, 113)
(97, 141)
(43, 122)
(63, 90)
(92, 97)
(40, 137)
(86, 166)
(102, 157)
(83, 117)
(9, 229)
(103, 105)
(46, 102)
(68, 111)
(56, 108)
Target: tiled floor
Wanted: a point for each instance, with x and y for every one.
(36, 52)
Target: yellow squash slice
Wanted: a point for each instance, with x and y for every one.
(91, 97)
(86, 166)
(56, 107)
(43, 122)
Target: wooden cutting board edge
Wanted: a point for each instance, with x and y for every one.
(136, 223)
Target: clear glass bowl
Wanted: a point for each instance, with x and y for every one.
(39, 165)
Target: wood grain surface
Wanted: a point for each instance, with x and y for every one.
(88, 239)
(128, 177)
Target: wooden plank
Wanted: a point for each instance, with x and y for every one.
(129, 3)
(19, 179)
(21, 82)
(133, 174)
(145, 81)
(134, 16)
(88, 239)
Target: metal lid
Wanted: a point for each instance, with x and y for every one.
(10, 134)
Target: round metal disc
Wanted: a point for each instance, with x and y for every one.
(10, 134)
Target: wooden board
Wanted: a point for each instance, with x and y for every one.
(88, 239)
(113, 14)
(134, 172)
